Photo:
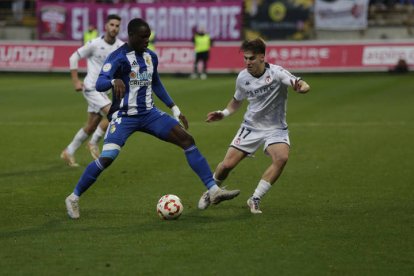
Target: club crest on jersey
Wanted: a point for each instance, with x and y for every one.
(148, 60)
(106, 67)
(268, 79)
(112, 129)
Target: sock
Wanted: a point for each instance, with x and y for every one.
(200, 166)
(97, 135)
(218, 182)
(213, 189)
(261, 189)
(89, 176)
(79, 138)
(74, 197)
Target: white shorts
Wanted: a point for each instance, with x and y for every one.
(249, 141)
(96, 100)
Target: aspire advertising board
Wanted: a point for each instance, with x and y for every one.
(171, 22)
(178, 57)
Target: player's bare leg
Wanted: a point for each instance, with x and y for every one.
(279, 154)
(93, 144)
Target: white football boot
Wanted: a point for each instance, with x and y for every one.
(253, 204)
(222, 194)
(72, 206)
(204, 201)
(94, 150)
(68, 158)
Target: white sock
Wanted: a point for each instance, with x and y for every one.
(79, 138)
(74, 197)
(213, 189)
(97, 135)
(262, 188)
(218, 182)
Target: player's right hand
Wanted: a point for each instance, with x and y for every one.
(78, 86)
(119, 88)
(214, 116)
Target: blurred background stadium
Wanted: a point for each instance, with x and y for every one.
(303, 35)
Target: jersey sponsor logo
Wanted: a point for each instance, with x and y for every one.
(106, 67)
(132, 75)
(140, 79)
(262, 90)
(140, 82)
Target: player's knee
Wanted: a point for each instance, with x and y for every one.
(105, 161)
(281, 160)
(186, 141)
(109, 154)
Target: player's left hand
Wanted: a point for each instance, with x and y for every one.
(300, 85)
(184, 121)
(179, 116)
(119, 88)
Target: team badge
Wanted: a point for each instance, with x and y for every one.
(106, 67)
(112, 129)
(237, 141)
(268, 79)
(148, 60)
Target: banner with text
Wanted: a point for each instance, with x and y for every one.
(341, 14)
(171, 22)
(225, 57)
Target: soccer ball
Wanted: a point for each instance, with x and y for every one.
(169, 207)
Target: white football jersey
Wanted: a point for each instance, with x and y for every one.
(267, 97)
(96, 51)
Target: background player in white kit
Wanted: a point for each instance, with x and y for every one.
(265, 86)
(96, 51)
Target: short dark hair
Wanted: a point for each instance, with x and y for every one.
(113, 16)
(135, 24)
(256, 46)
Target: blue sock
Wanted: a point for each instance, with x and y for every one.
(199, 165)
(89, 176)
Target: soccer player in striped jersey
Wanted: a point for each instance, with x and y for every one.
(265, 86)
(96, 51)
(131, 72)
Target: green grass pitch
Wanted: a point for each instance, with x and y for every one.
(343, 206)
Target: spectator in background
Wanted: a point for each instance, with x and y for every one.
(90, 34)
(202, 44)
(400, 67)
(18, 10)
(151, 42)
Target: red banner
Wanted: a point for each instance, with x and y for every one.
(225, 57)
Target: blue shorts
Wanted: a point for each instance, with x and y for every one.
(155, 122)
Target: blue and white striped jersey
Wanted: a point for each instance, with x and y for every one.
(140, 76)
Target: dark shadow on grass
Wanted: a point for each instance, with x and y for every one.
(55, 168)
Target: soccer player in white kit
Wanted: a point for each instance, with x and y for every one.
(265, 86)
(96, 51)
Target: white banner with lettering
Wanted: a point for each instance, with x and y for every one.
(341, 14)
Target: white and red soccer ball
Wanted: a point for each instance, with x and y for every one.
(169, 207)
